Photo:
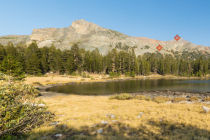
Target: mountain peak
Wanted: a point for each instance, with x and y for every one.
(84, 27)
(81, 21)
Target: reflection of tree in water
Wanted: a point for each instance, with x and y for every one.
(153, 130)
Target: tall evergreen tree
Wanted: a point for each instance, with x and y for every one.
(12, 67)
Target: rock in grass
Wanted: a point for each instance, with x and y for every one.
(54, 123)
(99, 131)
(140, 115)
(81, 134)
(33, 104)
(104, 122)
(58, 135)
(41, 105)
(206, 109)
(60, 115)
(112, 116)
(114, 121)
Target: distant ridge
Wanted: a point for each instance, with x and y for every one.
(90, 36)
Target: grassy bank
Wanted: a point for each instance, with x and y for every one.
(58, 79)
(99, 117)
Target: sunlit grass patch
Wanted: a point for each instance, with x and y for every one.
(83, 117)
(122, 96)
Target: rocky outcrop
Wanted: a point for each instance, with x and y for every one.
(90, 36)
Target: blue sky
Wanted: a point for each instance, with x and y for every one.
(157, 19)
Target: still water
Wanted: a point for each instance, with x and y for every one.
(132, 86)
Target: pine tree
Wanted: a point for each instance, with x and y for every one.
(44, 60)
(2, 53)
(75, 59)
(33, 63)
(12, 67)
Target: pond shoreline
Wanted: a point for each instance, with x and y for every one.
(43, 86)
(151, 94)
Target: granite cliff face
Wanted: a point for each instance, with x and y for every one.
(90, 36)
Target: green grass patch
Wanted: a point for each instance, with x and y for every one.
(122, 96)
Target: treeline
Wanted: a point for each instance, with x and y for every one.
(36, 61)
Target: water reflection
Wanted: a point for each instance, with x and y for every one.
(133, 86)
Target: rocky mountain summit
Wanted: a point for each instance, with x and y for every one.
(90, 36)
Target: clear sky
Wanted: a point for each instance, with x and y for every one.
(157, 19)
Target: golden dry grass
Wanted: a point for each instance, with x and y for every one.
(78, 116)
(55, 78)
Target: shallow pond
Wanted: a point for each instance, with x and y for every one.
(132, 86)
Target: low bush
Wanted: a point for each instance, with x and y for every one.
(207, 99)
(74, 74)
(130, 74)
(143, 97)
(37, 84)
(19, 112)
(193, 98)
(161, 99)
(140, 97)
(114, 74)
(85, 75)
(122, 96)
(178, 99)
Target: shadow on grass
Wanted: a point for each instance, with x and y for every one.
(114, 131)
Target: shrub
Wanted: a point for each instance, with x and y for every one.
(179, 99)
(207, 99)
(19, 112)
(74, 73)
(130, 74)
(92, 78)
(85, 75)
(142, 97)
(122, 96)
(37, 84)
(193, 98)
(82, 79)
(114, 74)
(161, 99)
(127, 74)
